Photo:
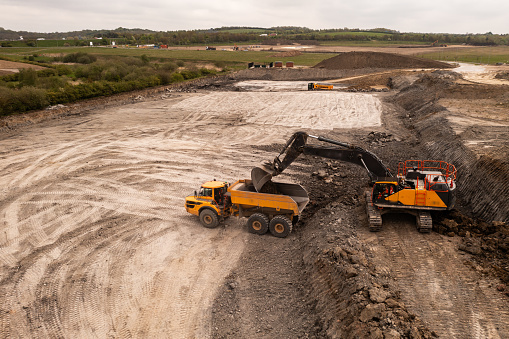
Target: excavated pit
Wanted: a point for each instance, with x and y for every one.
(353, 296)
(349, 283)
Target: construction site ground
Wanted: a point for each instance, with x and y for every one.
(95, 241)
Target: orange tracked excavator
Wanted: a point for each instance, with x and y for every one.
(419, 187)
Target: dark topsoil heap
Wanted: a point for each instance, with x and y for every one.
(358, 60)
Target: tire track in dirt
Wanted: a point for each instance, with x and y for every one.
(102, 196)
(435, 283)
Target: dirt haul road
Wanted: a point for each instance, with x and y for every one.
(94, 238)
(436, 284)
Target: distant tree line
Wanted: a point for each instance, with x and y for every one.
(230, 35)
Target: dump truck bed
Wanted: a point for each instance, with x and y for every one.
(293, 198)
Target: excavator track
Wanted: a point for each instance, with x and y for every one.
(424, 222)
(374, 215)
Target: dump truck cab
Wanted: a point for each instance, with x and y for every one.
(210, 203)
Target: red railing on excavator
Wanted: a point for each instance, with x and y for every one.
(448, 170)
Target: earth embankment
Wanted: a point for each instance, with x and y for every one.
(375, 60)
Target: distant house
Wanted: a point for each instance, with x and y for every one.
(41, 39)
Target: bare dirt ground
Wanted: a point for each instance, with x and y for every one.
(9, 67)
(484, 74)
(95, 240)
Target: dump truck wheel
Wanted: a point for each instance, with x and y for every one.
(258, 223)
(209, 218)
(280, 226)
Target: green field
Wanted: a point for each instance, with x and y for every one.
(372, 43)
(103, 71)
(233, 58)
(483, 55)
(238, 59)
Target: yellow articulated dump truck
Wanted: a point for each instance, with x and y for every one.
(313, 86)
(276, 211)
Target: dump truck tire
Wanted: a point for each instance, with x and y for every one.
(258, 223)
(280, 226)
(209, 218)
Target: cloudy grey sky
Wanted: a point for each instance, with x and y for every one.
(430, 16)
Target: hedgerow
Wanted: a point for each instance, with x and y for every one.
(88, 78)
(21, 99)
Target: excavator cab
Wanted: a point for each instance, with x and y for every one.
(383, 189)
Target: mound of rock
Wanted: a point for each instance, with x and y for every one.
(357, 60)
(502, 75)
(487, 241)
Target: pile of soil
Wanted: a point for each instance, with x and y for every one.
(356, 60)
(286, 54)
(502, 75)
(487, 241)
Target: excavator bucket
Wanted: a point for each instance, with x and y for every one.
(264, 173)
(261, 175)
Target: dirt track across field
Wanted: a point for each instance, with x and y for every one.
(9, 67)
(95, 241)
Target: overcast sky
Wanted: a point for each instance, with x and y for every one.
(430, 16)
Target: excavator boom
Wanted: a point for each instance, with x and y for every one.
(297, 145)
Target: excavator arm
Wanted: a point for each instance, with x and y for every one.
(297, 145)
